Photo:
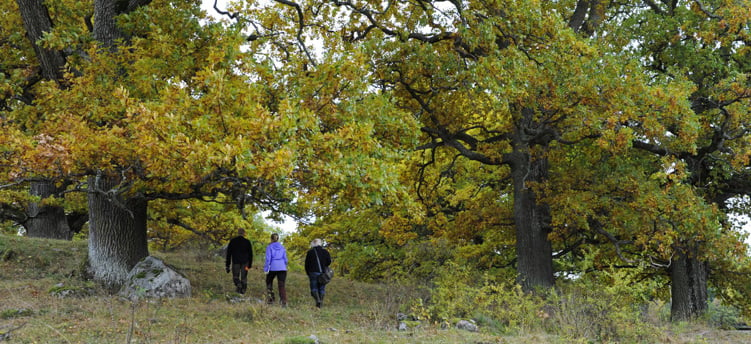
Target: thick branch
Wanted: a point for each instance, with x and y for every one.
(649, 147)
(300, 27)
(598, 227)
(37, 21)
(580, 13)
(370, 16)
(654, 7)
(189, 228)
(450, 141)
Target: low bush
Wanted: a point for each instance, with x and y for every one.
(603, 307)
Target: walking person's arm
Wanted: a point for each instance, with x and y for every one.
(228, 259)
(326, 258)
(267, 263)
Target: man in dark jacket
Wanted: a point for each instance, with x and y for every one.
(316, 260)
(240, 259)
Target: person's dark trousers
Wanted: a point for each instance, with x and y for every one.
(240, 277)
(317, 290)
(281, 277)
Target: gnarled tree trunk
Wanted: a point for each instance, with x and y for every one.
(117, 232)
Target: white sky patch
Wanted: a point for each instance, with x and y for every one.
(289, 225)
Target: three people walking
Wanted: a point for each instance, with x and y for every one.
(240, 259)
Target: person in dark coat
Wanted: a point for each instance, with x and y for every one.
(316, 260)
(239, 260)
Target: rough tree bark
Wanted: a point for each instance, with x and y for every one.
(36, 21)
(117, 232)
(46, 221)
(688, 275)
(117, 237)
(532, 219)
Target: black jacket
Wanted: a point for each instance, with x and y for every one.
(311, 264)
(239, 251)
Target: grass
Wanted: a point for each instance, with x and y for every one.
(33, 271)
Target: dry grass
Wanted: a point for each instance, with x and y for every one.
(353, 313)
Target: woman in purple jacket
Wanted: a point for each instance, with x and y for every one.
(276, 267)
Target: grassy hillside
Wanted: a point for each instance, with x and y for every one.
(34, 271)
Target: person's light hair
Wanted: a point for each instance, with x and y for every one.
(316, 243)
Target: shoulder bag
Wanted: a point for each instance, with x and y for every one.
(327, 273)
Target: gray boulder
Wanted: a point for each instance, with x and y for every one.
(151, 278)
(467, 325)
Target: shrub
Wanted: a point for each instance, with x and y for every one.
(460, 294)
(724, 316)
(605, 306)
(609, 305)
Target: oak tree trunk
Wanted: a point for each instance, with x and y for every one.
(117, 226)
(46, 221)
(117, 232)
(688, 277)
(532, 220)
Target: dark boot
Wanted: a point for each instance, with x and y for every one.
(282, 295)
(269, 294)
(320, 300)
(316, 297)
(243, 288)
(238, 285)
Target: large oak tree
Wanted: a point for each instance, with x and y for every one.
(706, 44)
(508, 85)
(161, 104)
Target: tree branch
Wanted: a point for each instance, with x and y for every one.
(300, 29)
(598, 227)
(177, 222)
